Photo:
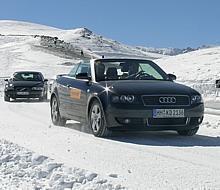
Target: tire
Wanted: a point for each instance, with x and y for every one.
(43, 98)
(97, 121)
(189, 132)
(56, 118)
(6, 98)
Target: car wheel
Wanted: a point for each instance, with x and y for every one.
(55, 113)
(97, 121)
(6, 98)
(43, 98)
(189, 132)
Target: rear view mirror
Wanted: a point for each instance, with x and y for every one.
(6, 80)
(172, 77)
(45, 80)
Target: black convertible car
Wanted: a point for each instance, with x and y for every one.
(125, 94)
(26, 84)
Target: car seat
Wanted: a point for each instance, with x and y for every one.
(111, 73)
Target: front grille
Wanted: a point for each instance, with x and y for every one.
(22, 89)
(167, 121)
(153, 100)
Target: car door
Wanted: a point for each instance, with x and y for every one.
(63, 87)
(78, 93)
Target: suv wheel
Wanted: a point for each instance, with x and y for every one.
(189, 132)
(55, 113)
(97, 121)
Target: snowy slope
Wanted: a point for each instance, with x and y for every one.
(9, 27)
(19, 53)
(81, 37)
(102, 46)
(199, 69)
(200, 65)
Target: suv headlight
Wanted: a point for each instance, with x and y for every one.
(37, 88)
(196, 99)
(123, 99)
(9, 86)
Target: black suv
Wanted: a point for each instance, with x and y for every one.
(26, 84)
(125, 94)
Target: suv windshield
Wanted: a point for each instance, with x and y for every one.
(128, 69)
(27, 77)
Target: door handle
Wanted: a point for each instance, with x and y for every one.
(68, 85)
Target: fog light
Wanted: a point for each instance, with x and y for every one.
(127, 121)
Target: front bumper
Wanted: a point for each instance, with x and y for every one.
(31, 94)
(142, 119)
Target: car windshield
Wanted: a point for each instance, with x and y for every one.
(128, 69)
(27, 77)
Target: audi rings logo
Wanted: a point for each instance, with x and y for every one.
(167, 100)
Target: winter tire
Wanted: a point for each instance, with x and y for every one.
(6, 98)
(97, 121)
(55, 113)
(189, 132)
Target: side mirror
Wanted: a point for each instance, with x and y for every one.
(6, 80)
(172, 77)
(83, 76)
(60, 75)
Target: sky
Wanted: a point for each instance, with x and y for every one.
(151, 23)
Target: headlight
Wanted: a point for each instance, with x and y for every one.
(196, 99)
(37, 88)
(123, 99)
(9, 86)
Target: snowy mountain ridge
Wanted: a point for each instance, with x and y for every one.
(172, 51)
(88, 40)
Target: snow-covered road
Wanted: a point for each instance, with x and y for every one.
(143, 160)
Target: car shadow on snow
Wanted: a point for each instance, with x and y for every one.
(155, 138)
(166, 138)
(79, 127)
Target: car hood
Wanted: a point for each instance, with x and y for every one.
(139, 87)
(27, 83)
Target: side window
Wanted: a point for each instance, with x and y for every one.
(72, 73)
(84, 68)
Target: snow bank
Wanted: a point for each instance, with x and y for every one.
(23, 169)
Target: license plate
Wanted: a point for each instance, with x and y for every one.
(168, 113)
(22, 93)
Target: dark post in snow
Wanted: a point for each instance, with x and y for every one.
(217, 83)
(82, 54)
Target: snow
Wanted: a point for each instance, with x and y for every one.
(135, 160)
(12, 27)
(34, 154)
(23, 169)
